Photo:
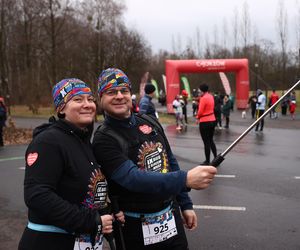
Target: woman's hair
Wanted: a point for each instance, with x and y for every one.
(61, 115)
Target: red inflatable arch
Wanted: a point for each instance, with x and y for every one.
(239, 66)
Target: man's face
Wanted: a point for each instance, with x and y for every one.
(117, 102)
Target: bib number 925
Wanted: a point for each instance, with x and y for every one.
(161, 228)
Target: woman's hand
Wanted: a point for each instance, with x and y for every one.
(107, 221)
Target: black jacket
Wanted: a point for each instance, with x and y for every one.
(61, 179)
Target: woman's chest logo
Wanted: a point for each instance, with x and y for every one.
(97, 191)
(152, 157)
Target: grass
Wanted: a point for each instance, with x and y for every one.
(45, 112)
(24, 111)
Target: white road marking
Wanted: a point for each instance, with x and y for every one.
(219, 208)
(22, 168)
(12, 158)
(225, 176)
(297, 177)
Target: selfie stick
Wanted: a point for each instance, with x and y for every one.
(218, 160)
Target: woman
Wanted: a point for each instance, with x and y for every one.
(207, 122)
(64, 189)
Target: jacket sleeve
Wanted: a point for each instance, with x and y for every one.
(182, 198)
(118, 167)
(144, 106)
(44, 170)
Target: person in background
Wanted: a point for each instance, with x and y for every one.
(64, 188)
(226, 110)
(218, 110)
(135, 106)
(260, 108)
(145, 174)
(272, 100)
(252, 103)
(185, 96)
(292, 105)
(207, 122)
(3, 117)
(177, 106)
(162, 98)
(146, 105)
(284, 104)
(195, 106)
(232, 101)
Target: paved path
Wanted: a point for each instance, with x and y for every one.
(253, 203)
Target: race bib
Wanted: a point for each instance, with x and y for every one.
(83, 243)
(159, 228)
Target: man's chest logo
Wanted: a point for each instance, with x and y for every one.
(152, 157)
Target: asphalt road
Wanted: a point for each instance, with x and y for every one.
(253, 203)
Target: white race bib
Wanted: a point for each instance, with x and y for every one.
(159, 228)
(82, 243)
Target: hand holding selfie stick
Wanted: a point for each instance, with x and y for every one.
(220, 158)
(115, 210)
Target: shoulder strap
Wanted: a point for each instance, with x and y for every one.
(155, 123)
(104, 129)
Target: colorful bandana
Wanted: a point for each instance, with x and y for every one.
(111, 78)
(67, 88)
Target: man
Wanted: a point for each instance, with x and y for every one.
(260, 108)
(146, 104)
(144, 173)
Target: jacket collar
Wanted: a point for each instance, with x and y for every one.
(123, 123)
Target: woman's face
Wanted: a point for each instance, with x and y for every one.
(80, 110)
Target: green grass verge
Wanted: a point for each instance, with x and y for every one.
(45, 112)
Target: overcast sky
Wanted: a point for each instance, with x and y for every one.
(160, 20)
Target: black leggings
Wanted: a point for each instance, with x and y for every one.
(207, 130)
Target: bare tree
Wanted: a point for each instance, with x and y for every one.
(198, 42)
(224, 33)
(282, 29)
(245, 27)
(55, 15)
(297, 29)
(7, 8)
(235, 31)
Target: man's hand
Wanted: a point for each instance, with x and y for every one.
(200, 177)
(189, 218)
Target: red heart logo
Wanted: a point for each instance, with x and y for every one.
(31, 158)
(145, 129)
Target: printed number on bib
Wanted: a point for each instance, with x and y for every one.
(82, 243)
(159, 228)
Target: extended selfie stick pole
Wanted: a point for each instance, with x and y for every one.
(218, 160)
